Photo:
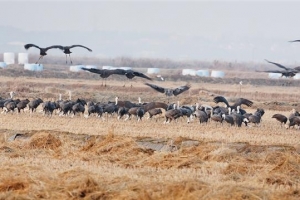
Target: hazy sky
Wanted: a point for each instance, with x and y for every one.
(202, 30)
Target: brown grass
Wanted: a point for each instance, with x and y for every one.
(78, 158)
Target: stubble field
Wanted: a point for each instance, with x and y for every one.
(78, 158)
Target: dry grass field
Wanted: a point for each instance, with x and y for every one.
(92, 158)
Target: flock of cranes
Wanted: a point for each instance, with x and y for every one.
(232, 114)
(105, 73)
(287, 72)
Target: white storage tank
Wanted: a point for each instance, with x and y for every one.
(3, 65)
(108, 67)
(34, 67)
(217, 74)
(274, 75)
(39, 67)
(192, 72)
(23, 58)
(202, 73)
(297, 76)
(76, 68)
(186, 72)
(153, 70)
(30, 67)
(91, 67)
(125, 68)
(9, 58)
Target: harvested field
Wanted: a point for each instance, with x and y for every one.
(78, 158)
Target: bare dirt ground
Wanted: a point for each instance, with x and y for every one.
(79, 158)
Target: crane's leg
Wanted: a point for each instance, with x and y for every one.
(39, 59)
(70, 58)
(66, 58)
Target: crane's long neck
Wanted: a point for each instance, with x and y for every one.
(11, 94)
(238, 109)
(197, 106)
(174, 106)
(116, 99)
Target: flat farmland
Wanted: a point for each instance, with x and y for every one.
(64, 157)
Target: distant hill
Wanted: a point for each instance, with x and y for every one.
(111, 44)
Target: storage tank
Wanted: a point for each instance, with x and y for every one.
(76, 68)
(3, 65)
(9, 58)
(192, 72)
(108, 67)
(39, 67)
(153, 70)
(202, 73)
(186, 72)
(23, 58)
(217, 74)
(274, 75)
(91, 67)
(33, 67)
(125, 68)
(297, 76)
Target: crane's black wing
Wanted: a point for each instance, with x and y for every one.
(157, 88)
(295, 41)
(139, 74)
(287, 73)
(278, 65)
(27, 46)
(219, 99)
(78, 45)
(93, 70)
(272, 71)
(243, 101)
(117, 71)
(297, 69)
(181, 89)
(54, 47)
(104, 73)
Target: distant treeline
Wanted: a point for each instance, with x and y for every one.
(155, 63)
